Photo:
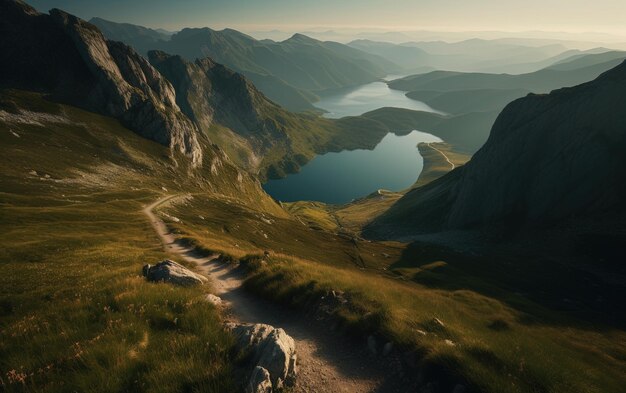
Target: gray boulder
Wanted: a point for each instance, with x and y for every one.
(260, 381)
(173, 273)
(270, 348)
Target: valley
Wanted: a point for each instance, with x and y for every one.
(457, 229)
(356, 101)
(337, 178)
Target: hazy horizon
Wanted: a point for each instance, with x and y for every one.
(558, 18)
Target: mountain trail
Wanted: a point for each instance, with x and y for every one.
(327, 361)
(443, 154)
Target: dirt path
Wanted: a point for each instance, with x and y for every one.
(443, 154)
(327, 362)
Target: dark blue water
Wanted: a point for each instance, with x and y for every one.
(394, 164)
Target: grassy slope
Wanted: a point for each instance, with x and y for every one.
(501, 340)
(505, 331)
(75, 314)
(435, 163)
(66, 286)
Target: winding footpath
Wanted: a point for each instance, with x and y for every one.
(327, 362)
(430, 144)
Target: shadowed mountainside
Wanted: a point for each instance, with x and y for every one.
(549, 158)
(71, 59)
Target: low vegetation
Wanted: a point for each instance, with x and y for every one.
(476, 330)
(75, 313)
(482, 341)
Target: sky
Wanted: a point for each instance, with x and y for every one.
(578, 16)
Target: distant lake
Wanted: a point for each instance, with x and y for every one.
(394, 164)
(365, 98)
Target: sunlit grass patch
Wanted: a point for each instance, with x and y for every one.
(480, 339)
(77, 315)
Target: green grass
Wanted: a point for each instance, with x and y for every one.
(495, 347)
(503, 340)
(75, 313)
(236, 230)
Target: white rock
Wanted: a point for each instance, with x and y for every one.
(214, 300)
(172, 272)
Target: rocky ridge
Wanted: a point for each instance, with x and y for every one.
(73, 61)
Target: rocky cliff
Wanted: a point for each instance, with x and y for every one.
(71, 59)
(258, 134)
(209, 93)
(549, 158)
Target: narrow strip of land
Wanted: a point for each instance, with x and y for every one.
(430, 144)
(327, 362)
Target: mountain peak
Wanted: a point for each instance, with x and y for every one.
(298, 37)
(70, 58)
(13, 7)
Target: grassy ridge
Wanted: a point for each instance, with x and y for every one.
(75, 313)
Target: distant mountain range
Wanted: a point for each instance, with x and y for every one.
(457, 93)
(475, 55)
(184, 105)
(578, 70)
(289, 72)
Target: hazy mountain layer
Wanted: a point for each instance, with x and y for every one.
(474, 55)
(287, 72)
(464, 101)
(143, 39)
(541, 81)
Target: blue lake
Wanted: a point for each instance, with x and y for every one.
(394, 164)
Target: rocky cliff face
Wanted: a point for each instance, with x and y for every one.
(72, 60)
(209, 93)
(549, 158)
(247, 124)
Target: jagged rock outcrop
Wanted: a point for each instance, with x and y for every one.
(210, 93)
(272, 352)
(71, 59)
(173, 273)
(549, 158)
(260, 381)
